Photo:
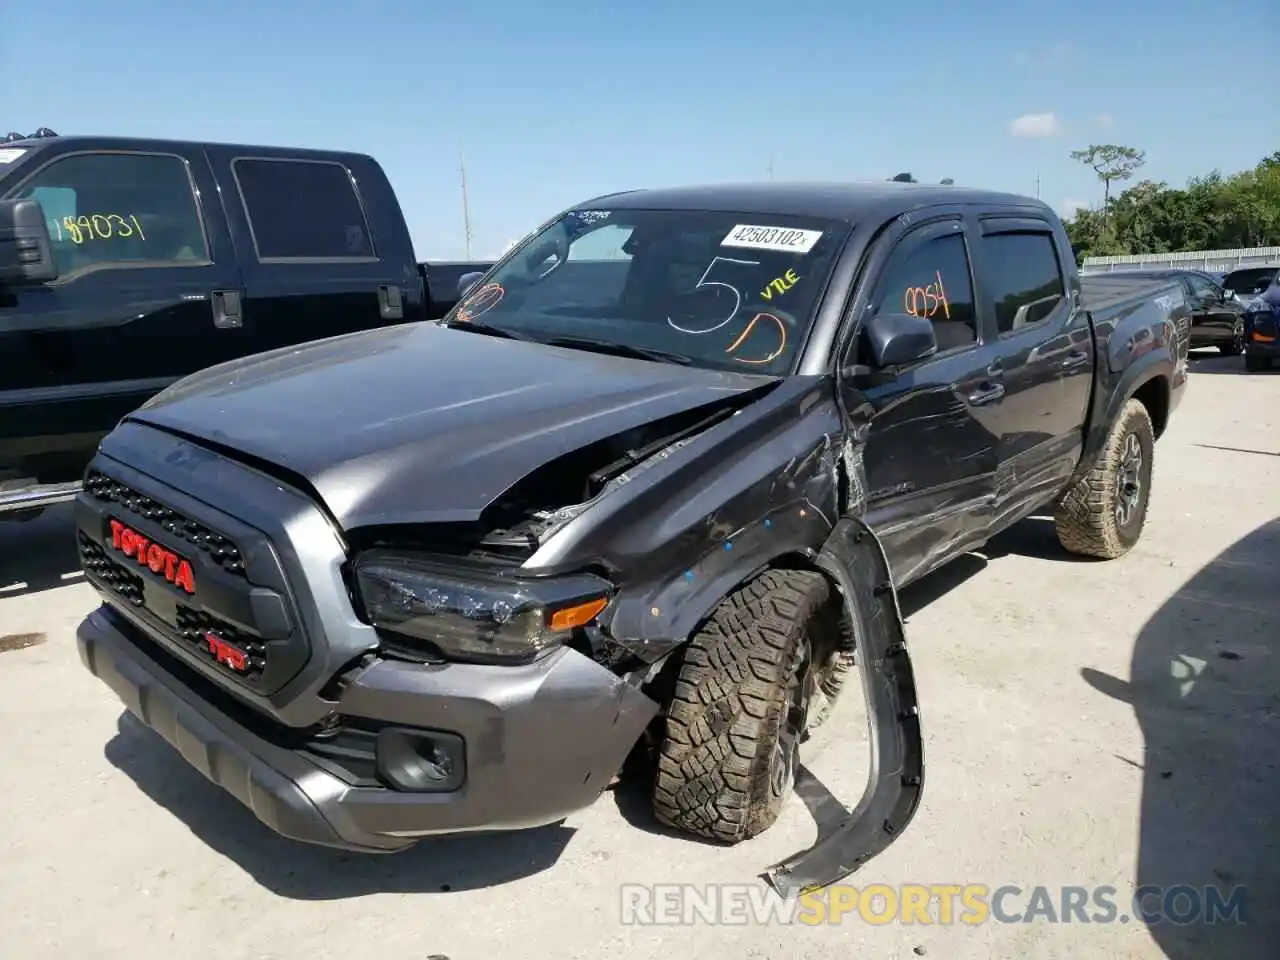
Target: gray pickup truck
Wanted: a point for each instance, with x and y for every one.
(648, 490)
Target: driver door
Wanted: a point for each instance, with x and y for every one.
(932, 429)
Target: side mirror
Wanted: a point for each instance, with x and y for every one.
(26, 252)
(899, 338)
(1228, 295)
(467, 281)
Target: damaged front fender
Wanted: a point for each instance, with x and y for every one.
(855, 560)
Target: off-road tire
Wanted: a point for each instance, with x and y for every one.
(1085, 517)
(1256, 364)
(726, 764)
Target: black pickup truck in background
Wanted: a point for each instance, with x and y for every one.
(126, 264)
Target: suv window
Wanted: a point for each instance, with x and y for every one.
(303, 209)
(119, 208)
(1026, 278)
(1251, 280)
(932, 279)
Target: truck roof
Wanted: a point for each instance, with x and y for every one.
(852, 201)
(94, 142)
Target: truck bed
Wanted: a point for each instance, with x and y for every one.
(1103, 292)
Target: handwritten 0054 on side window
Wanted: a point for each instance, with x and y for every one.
(928, 300)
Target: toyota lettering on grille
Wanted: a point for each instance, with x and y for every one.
(158, 559)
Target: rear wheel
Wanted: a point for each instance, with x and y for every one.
(1103, 515)
(726, 764)
(1235, 346)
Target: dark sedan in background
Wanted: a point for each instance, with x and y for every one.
(1216, 319)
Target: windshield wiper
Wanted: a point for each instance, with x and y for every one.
(480, 327)
(619, 349)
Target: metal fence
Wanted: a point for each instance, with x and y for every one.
(1212, 261)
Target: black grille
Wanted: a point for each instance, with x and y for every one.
(1184, 333)
(216, 546)
(117, 577)
(193, 626)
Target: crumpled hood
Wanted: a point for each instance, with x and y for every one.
(420, 423)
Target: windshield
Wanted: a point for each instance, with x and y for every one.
(714, 289)
(1251, 281)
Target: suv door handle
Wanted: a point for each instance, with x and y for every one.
(390, 301)
(990, 393)
(1075, 359)
(227, 310)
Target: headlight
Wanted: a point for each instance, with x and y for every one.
(473, 613)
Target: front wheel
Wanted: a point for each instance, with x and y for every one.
(1103, 515)
(727, 763)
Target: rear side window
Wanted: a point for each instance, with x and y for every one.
(119, 209)
(303, 209)
(1025, 278)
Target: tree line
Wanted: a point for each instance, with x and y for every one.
(1213, 212)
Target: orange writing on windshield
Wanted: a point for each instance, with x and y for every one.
(927, 300)
(480, 302)
(749, 329)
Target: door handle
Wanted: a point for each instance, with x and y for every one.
(228, 312)
(390, 301)
(1075, 359)
(990, 393)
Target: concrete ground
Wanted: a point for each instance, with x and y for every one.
(1087, 724)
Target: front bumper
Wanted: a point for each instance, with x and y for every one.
(1262, 334)
(541, 741)
(1263, 348)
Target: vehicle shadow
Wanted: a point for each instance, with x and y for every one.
(1205, 686)
(39, 554)
(303, 872)
(1211, 361)
(1036, 538)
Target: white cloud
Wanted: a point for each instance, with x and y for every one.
(1067, 208)
(1105, 121)
(1035, 125)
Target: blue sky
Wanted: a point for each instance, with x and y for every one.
(555, 102)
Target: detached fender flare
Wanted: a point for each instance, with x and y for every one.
(854, 558)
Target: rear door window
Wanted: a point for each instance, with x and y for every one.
(119, 210)
(303, 210)
(1026, 278)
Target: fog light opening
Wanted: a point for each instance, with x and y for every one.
(421, 761)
